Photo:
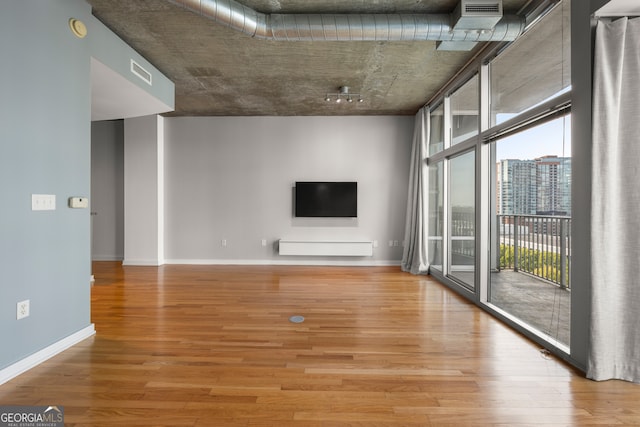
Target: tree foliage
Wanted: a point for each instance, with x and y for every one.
(546, 265)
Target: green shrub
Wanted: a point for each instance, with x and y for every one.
(539, 263)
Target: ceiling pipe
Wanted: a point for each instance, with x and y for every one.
(348, 27)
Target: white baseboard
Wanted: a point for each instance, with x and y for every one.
(107, 258)
(46, 353)
(143, 262)
(350, 262)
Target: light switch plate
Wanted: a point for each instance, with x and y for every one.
(43, 202)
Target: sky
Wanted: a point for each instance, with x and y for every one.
(543, 140)
(550, 138)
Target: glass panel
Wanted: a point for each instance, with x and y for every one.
(464, 111)
(436, 137)
(534, 68)
(436, 215)
(462, 208)
(531, 236)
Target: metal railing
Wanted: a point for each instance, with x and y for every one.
(535, 244)
(463, 232)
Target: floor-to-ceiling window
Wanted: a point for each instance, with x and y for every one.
(436, 215)
(499, 173)
(436, 129)
(462, 230)
(530, 278)
(454, 126)
(464, 112)
(530, 275)
(435, 238)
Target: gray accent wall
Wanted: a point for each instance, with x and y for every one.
(231, 179)
(45, 148)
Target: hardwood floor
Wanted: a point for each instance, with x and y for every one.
(213, 346)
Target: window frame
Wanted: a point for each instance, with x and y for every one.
(558, 105)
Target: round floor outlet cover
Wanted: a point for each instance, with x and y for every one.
(296, 319)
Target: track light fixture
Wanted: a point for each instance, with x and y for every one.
(344, 94)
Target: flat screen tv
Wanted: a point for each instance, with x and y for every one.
(326, 199)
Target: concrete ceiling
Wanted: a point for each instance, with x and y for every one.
(219, 71)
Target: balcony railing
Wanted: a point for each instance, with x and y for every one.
(535, 244)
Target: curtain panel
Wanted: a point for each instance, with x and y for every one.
(615, 222)
(414, 257)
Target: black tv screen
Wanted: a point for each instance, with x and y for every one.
(326, 199)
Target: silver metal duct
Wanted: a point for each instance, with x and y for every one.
(348, 27)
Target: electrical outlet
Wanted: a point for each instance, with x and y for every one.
(22, 309)
(223, 242)
(264, 242)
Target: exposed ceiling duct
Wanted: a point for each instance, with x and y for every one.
(358, 27)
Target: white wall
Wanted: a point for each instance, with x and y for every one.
(144, 191)
(107, 190)
(231, 178)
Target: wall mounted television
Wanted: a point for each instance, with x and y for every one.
(326, 199)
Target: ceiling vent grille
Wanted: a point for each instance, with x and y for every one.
(140, 72)
(482, 8)
(476, 15)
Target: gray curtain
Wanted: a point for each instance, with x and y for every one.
(414, 257)
(615, 206)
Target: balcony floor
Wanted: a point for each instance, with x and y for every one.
(540, 304)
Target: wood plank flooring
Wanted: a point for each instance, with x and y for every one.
(213, 346)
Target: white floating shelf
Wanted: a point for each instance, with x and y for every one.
(325, 248)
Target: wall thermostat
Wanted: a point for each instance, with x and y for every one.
(78, 202)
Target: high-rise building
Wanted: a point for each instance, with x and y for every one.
(553, 184)
(534, 187)
(516, 187)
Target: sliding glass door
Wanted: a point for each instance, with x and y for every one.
(532, 228)
(462, 211)
(436, 215)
